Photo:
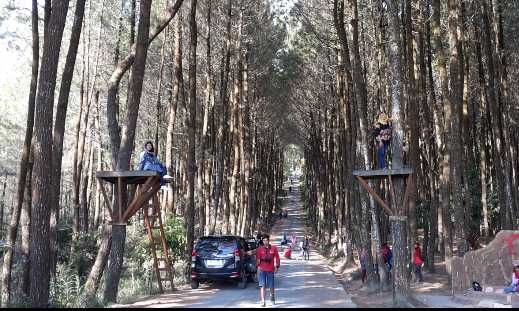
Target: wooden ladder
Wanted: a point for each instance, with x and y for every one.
(158, 244)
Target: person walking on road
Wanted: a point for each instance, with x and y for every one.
(305, 245)
(267, 261)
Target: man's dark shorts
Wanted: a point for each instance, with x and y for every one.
(266, 279)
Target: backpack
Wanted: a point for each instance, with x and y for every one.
(476, 286)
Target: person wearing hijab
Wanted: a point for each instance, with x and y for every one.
(149, 162)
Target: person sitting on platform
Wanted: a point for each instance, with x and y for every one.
(149, 162)
(382, 134)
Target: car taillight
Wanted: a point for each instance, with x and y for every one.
(193, 255)
(237, 254)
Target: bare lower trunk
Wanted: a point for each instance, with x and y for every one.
(42, 172)
(191, 165)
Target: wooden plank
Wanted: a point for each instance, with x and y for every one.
(144, 196)
(120, 197)
(123, 174)
(140, 198)
(153, 250)
(144, 188)
(168, 264)
(407, 193)
(375, 195)
(392, 195)
(370, 174)
(130, 177)
(107, 201)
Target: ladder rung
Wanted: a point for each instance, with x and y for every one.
(167, 280)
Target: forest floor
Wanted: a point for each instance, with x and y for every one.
(434, 292)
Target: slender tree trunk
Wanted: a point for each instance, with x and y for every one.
(2, 207)
(25, 222)
(126, 147)
(222, 126)
(22, 175)
(191, 165)
(499, 155)
(59, 125)
(445, 176)
(41, 186)
(94, 278)
(177, 83)
(118, 73)
(401, 292)
(456, 95)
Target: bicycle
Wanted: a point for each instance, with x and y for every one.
(306, 254)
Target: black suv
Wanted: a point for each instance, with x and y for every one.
(221, 258)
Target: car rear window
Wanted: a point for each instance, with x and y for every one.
(216, 247)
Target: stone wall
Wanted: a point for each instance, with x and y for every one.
(490, 266)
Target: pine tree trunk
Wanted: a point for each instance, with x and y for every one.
(401, 292)
(25, 222)
(222, 126)
(2, 207)
(42, 172)
(59, 125)
(126, 147)
(191, 165)
(22, 175)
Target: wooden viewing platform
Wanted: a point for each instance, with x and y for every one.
(148, 184)
(129, 177)
(383, 173)
(404, 172)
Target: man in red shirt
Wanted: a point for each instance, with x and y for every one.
(265, 257)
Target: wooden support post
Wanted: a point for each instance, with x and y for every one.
(107, 201)
(120, 197)
(375, 195)
(400, 284)
(141, 189)
(142, 197)
(406, 195)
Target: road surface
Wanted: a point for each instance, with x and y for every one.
(299, 283)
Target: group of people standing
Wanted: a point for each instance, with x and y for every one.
(304, 245)
(387, 256)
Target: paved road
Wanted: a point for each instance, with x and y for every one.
(299, 283)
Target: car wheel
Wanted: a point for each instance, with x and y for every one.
(194, 284)
(242, 283)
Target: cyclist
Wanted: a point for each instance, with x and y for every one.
(305, 245)
(267, 260)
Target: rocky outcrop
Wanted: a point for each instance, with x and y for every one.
(490, 266)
